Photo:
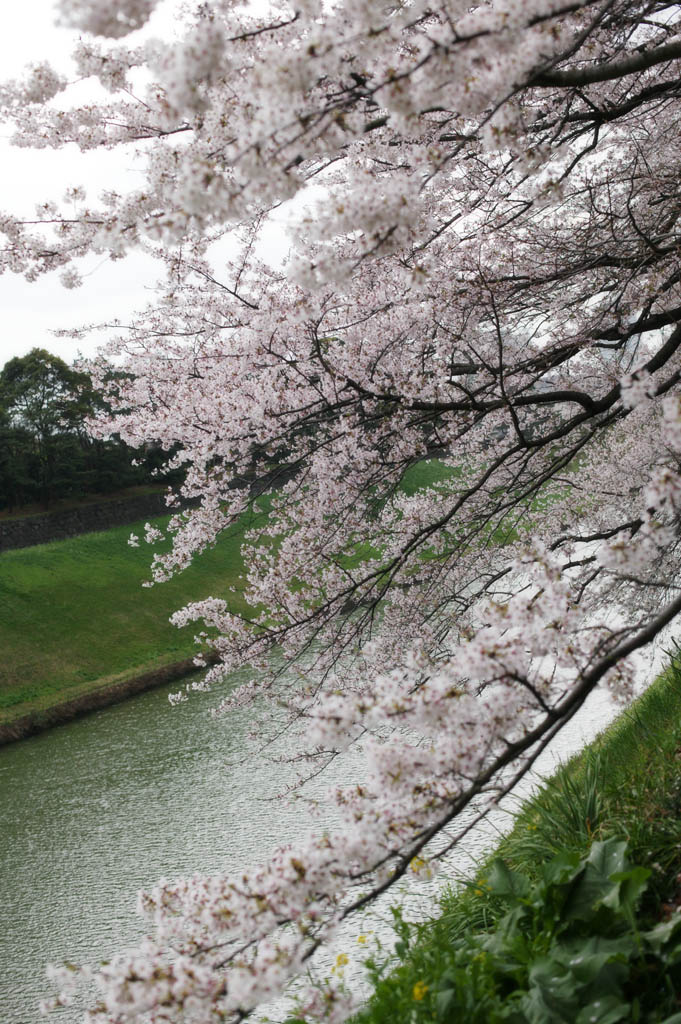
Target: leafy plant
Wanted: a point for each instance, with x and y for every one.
(570, 948)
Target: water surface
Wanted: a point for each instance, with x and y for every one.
(94, 810)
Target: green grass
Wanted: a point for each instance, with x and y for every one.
(428, 473)
(74, 614)
(627, 782)
(625, 785)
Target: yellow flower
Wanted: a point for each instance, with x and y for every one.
(419, 990)
(342, 959)
(421, 867)
(361, 939)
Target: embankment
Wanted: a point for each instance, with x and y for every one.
(78, 630)
(93, 699)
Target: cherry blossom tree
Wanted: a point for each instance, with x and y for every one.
(484, 269)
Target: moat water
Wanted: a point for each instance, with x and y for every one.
(93, 811)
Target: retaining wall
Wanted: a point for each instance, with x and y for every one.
(60, 524)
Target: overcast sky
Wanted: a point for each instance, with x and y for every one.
(111, 289)
(30, 311)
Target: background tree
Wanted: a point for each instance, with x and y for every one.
(47, 451)
(493, 272)
(45, 405)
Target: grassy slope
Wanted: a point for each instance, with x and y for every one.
(73, 613)
(74, 617)
(627, 784)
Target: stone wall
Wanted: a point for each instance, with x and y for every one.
(57, 525)
(88, 518)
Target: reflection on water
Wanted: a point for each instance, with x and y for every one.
(94, 810)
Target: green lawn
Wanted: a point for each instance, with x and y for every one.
(74, 612)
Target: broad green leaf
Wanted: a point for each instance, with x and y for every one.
(504, 882)
(543, 1005)
(621, 947)
(553, 988)
(606, 1010)
(562, 868)
(632, 884)
(608, 857)
(587, 968)
(445, 1000)
(663, 932)
(595, 884)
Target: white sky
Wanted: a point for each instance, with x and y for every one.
(111, 289)
(30, 311)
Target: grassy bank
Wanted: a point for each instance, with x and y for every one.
(74, 616)
(77, 628)
(75, 621)
(564, 922)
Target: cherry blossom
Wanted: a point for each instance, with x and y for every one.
(460, 394)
